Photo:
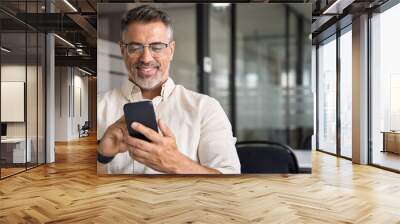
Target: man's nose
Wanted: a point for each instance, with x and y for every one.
(146, 56)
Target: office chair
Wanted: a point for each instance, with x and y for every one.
(266, 157)
(307, 143)
(84, 130)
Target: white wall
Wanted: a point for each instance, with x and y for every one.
(14, 73)
(17, 73)
(80, 82)
(67, 116)
(61, 103)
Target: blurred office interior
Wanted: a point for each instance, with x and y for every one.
(282, 72)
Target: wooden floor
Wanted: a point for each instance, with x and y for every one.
(70, 192)
(10, 171)
(387, 159)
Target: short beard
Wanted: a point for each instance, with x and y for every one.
(146, 83)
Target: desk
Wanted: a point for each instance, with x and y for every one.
(391, 141)
(13, 150)
(304, 158)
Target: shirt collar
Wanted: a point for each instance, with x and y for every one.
(133, 93)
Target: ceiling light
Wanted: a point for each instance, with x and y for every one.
(338, 6)
(328, 10)
(79, 51)
(64, 40)
(220, 5)
(84, 71)
(5, 50)
(70, 5)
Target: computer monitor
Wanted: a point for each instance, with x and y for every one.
(3, 129)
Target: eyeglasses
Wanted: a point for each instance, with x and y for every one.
(135, 49)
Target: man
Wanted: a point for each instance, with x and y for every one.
(195, 134)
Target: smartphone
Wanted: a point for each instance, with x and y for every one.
(142, 112)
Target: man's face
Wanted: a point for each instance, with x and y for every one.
(148, 69)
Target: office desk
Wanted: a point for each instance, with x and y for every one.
(304, 158)
(391, 141)
(13, 150)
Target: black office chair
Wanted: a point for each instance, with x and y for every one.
(307, 143)
(84, 130)
(266, 157)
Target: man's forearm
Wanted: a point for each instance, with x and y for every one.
(192, 167)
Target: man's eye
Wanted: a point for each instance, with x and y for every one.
(135, 47)
(157, 47)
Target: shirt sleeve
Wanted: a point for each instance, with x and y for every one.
(217, 145)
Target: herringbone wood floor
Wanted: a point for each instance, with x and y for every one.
(70, 192)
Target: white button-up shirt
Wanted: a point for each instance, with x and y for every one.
(201, 128)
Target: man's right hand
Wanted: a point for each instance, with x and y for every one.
(112, 142)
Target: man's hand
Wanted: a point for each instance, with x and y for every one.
(162, 153)
(112, 142)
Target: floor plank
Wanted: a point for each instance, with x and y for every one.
(387, 159)
(69, 191)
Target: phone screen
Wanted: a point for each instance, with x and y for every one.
(141, 112)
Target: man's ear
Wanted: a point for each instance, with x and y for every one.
(172, 47)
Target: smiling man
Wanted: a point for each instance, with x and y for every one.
(195, 135)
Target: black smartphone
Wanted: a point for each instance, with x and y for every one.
(142, 112)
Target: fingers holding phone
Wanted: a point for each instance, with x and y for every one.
(161, 152)
(115, 139)
(143, 113)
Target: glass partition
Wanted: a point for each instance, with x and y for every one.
(273, 76)
(41, 97)
(219, 52)
(31, 98)
(13, 95)
(183, 70)
(22, 89)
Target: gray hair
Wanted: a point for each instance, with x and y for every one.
(146, 14)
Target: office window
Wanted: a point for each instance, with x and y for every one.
(327, 95)
(385, 88)
(346, 93)
(315, 92)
